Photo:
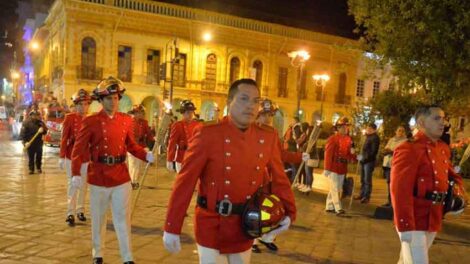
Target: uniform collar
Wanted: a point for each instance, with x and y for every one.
(228, 120)
(421, 137)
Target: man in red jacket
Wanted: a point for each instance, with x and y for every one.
(144, 137)
(180, 134)
(338, 151)
(70, 127)
(106, 137)
(419, 185)
(230, 160)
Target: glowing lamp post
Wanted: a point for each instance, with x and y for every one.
(320, 80)
(298, 59)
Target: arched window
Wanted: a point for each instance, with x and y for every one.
(88, 67)
(211, 72)
(234, 69)
(258, 66)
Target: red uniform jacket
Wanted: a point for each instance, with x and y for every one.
(228, 163)
(70, 127)
(180, 134)
(338, 153)
(418, 167)
(102, 136)
(142, 132)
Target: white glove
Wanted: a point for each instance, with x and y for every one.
(305, 156)
(171, 242)
(457, 169)
(61, 164)
(149, 157)
(40, 130)
(359, 157)
(283, 226)
(178, 166)
(76, 181)
(406, 236)
(169, 166)
(326, 173)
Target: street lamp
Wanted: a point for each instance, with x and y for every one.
(207, 36)
(320, 80)
(34, 45)
(15, 75)
(298, 59)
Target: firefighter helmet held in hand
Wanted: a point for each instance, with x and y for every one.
(262, 214)
(81, 95)
(109, 86)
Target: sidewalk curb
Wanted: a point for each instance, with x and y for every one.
(449, 228)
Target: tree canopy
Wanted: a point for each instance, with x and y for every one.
(427, 42)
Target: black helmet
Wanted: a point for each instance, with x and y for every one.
(138, 108)
(342, 121)
(262, 214)
(186, 105)
(33, 112)
(266, 106)
(81, 95)
(109, 86)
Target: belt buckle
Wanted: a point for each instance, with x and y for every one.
(221, 208)
(110, 160)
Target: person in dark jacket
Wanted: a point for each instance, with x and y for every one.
(32, 142)
(367, 160)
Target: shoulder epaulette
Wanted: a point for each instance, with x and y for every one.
(266, 127)
(210, 123)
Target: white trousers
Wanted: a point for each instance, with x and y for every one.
(120, 199)
(333, 200)
(416, 251)
(135, 165)
(75, 205)
(213, 256)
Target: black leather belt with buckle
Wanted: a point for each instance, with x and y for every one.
(224, 207)
(436, 197)
(111, 160)
(341, 160)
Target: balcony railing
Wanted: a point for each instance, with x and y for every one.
(89, 73)
(343, 99)
(222, 19)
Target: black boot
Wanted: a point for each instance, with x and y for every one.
(70, 220)
(270, 246)
(255, 249)
(98, 260)
(81, 217)
(129, 262)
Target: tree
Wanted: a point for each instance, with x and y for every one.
(427, 42)
(396, 108)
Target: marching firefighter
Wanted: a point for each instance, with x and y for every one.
(266, 111)
(31, 135)
(180, 134)
(144, 137)
(71, 126)
(422, 188)
(338, 151)
(230, 159)
(106, 136)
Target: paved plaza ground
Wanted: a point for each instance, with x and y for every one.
(33, 228)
